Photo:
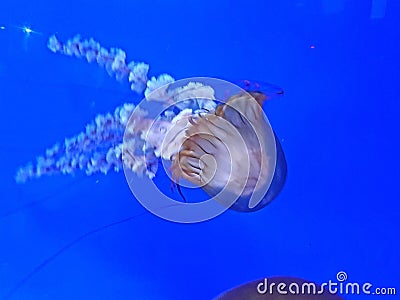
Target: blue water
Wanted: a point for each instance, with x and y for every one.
(338, 62)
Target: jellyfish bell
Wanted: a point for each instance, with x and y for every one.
(212, 138)
(224, 151)
(208, 158)
(220, 140)
(268, 162)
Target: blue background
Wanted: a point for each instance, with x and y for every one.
(338, 123)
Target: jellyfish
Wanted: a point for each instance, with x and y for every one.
(210, 134)
(213, 134)
(229, 149)
(212, 137)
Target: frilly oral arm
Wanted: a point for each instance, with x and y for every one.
(113, 60)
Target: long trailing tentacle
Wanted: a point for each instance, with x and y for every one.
(71, 244)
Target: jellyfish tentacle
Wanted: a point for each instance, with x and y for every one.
(113, 60)
(97, 149)
(70, 245)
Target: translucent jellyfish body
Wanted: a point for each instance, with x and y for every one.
(214, 135)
